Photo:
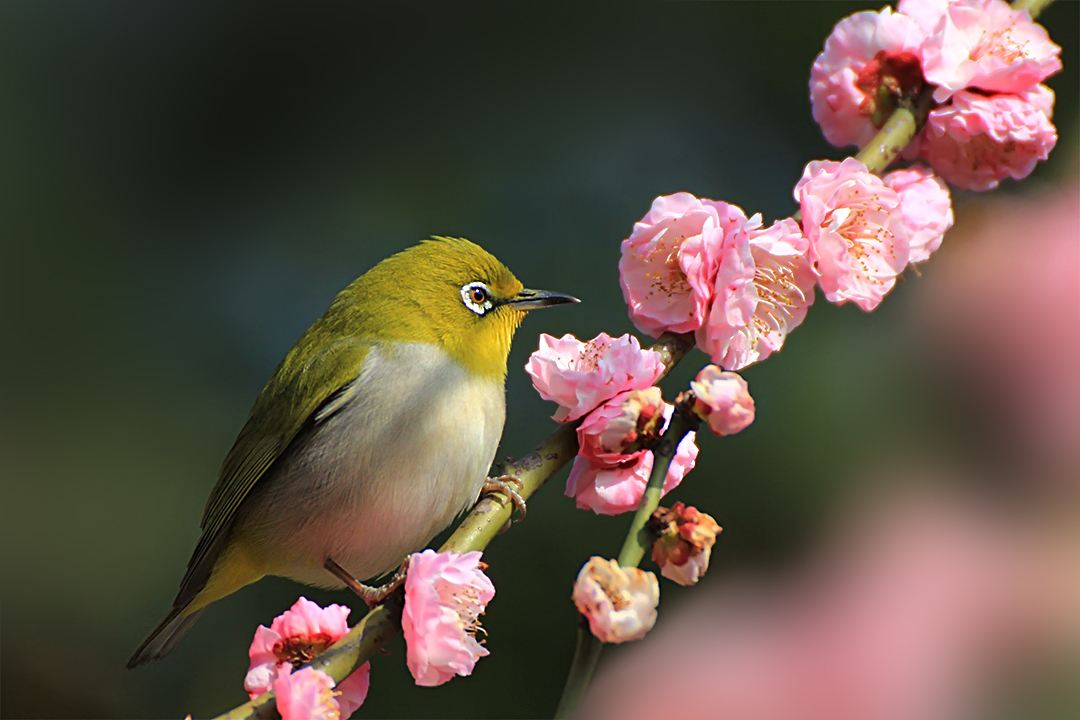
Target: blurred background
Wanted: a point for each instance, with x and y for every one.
(190, 184)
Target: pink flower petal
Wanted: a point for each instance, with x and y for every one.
(580, 376)
(863, 52)
(609, 485)
(982, 44)
(307, 694)
(723, 400)
(858, 243)
(925, 208)
(668, 263)
(445, 594)
(976, 141)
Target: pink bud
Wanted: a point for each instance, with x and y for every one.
(722, 399)
(619, 603)
(684, 542)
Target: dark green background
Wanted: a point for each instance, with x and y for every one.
(189, 184)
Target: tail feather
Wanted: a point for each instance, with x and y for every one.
(165, 636)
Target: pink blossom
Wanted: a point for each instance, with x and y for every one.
(981, 44)
(858, 243)
(445, 594)
(761, 296)
(294, 638)
(579, 376)
(723, 400)
(307, 694)
(619, 603)
(977, 141)
(610, 483)
(669, 261)
(617, 428)
(870, 59)
(925, 208)
(353, 690)
(684, 541)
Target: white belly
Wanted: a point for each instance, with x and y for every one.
(378, 479)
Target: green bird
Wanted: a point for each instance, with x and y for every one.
(374, 433)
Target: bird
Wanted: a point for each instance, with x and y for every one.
(373, 434)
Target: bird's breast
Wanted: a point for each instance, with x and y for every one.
(403, 454)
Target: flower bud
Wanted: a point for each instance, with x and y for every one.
(723, 400)
(684, 542)
(619, 603)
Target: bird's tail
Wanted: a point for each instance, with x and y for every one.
(165, 636)
(231, 571)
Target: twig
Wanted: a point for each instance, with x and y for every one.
(637, 543)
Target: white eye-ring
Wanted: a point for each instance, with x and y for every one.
(476, 297)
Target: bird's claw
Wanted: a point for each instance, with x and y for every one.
(371, 596)
(511, 487)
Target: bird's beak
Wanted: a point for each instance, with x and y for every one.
(533, 299)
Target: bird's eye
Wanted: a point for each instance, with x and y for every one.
(476, 297)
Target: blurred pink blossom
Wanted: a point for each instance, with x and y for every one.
(907, 616)
(722, 399)
(307, 694)
(985, 305)
(976, 141)
(670, 259)
(295, 637)
(858, 242)
(610, 484)
(869, 57)
(581, 375)
(445, 594)
(685, 538)
(768, 297)
(619, 603)
(925, 208)
(982, 44)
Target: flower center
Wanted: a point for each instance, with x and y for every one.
(669, 280)
(465, 601)
(302, 649)
(619, 598)
(776, 289)
(590, 355)
(1000, 44)
(884, 80)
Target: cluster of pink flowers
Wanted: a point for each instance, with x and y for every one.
(741, 288)
(607, 383)
(445, 594)
(702, 266)
(984, 61)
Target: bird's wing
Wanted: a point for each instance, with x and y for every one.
(305, 389)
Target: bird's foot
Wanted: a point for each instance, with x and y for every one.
(509, 486)
(371, 596)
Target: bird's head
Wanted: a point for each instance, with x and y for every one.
(452, 293)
